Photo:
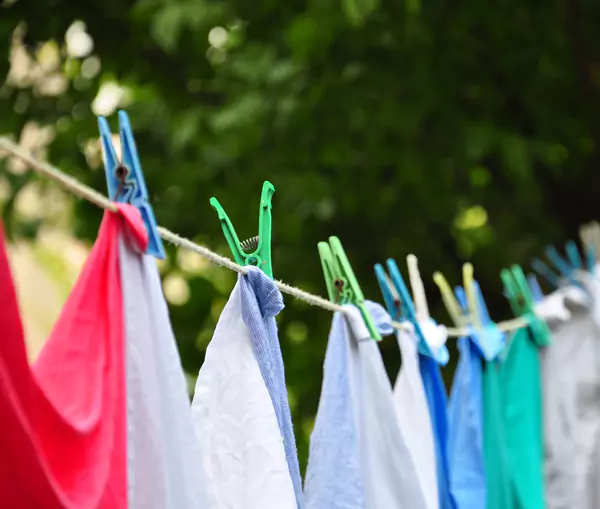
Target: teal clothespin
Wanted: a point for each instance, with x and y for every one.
(589, 255)
(342, 286)
(520, 297)
(573, 254)
(256, 250)
(565, 267)
(559, 262)
(543, 270)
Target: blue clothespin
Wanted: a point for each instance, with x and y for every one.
(566, 268)
(559, 262)
(484, 312)
(461, 297)
(400, 306)
(125, 178)
(543, 270)
(573, 254)
(534, 286)
(392, 300)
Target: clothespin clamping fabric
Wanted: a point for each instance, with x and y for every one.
(566, 267)
(401, 307)
(546, 272)
(342, 286)
(519, 296)
(489, 339)
(125, 178)
(452, 306)
(255, 250)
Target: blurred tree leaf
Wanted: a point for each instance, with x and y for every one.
(357, 10)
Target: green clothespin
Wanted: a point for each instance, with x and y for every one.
(342, 286)
(522, 302)
(517, 303)
(256, 250)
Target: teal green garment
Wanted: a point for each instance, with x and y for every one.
(497, 470)
(523, 427)
(513, 430)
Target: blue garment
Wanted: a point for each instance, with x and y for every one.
(477, 399)
(358, 458)
(465, 420)
(435, 391)
(335, 463)
(261, 302)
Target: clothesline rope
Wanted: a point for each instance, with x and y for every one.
(87, 193)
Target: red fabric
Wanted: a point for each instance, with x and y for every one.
(63, 421)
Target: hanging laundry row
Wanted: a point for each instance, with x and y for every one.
(521, 429)
(102, 419)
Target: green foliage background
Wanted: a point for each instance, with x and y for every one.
(454, 130)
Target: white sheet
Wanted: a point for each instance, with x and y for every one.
(235, 422)
(164, 466)
(413, 415)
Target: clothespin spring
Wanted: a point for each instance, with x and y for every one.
(121, 173)
(250, 244)
(339, 288)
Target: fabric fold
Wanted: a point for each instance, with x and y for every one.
(239, 404)
(437, 400)
(101, 420)
(465, 424)
(497, 466)
(522, 400)
(513, 430)
(261, 303)
(358, 457)
(164, 462)
(63, 420)
(413, 415)
(571, 381)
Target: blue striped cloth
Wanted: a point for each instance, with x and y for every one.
(261, 302)
(358, 456)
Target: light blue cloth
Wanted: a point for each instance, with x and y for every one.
(466, 452)
(465, 421)
(358, 458)
(261, 302)
(435, 391)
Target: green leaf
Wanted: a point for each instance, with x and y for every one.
(357, 11)
(515, 154)
(243, 111)
(167, 25)
(186, 128)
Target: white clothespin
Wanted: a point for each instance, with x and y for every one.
(418, 290)
(435, 334)
(590, 237)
